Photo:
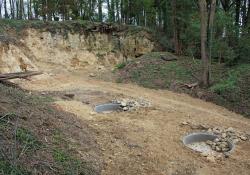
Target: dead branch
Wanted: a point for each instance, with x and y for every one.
(24, 75)
(166, 58)
(190, 86)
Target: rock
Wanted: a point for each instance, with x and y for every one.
(125, 109)
(225, 149)
(92, 113)
(226, 155)
(219, 157)
(218, 149)
(211, 158)
(123, 104)
(101, 68)
(216, 140)
(224, 135)
(210, 130)
(209, 142)
(184, 123)
(92, 75)
(69, 95)
(230, 129)
(244, 138)
(205, 154)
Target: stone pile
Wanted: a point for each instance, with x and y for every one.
(130, 104)
(229, 134)
(219, 145)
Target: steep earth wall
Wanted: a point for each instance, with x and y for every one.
(41, 49)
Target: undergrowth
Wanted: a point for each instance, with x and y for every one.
(229, 85)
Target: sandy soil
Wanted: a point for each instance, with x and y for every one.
(145, 141)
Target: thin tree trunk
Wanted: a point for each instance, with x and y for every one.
(30, 10)
(100, 10)
(0, 9)
(117, 11)
(175, 28)
(204, 57)
(248, 13)
(210, 25)
(237, 16)
(109, 10)
(113, 10)
(17, 9)
(244, 13)
(6, 15)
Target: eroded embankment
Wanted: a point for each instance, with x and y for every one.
(33, 49)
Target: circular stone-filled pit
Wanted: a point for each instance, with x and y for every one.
(199, 142)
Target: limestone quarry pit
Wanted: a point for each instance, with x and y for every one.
(143, 141)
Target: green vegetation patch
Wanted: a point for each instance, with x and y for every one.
(153, 72)
(66, 159)
(7, 169)
(231, 81)
(27, 139)
(71, 165)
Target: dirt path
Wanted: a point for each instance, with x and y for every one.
(146, 141)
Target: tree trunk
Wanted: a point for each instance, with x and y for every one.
(0, 9)
(210, 25)
(175, 29)
(117, 11)
(244, 13)
(112, 11)
(100, 10)
(237, 17)
(248, 13)
(109, 10)
(204, 57)
(6, 15)
(12, 9)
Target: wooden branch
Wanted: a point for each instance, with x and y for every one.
(24, 75)
(166, 58)
(191, 86)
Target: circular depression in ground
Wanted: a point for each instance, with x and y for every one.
(197, 142)
(108, 107)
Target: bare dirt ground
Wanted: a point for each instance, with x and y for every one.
(148, 140)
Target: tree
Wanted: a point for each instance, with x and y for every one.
(0, 9)
(6, 15)
(100, 17)
(206, 21)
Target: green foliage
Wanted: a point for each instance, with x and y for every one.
(7, 169)
(27, 139)
(225, 85)
(22, 96)
(70, 164)
(120, 65)
(244, 46)
(68, 161)
(153, 72)
(222, 52)
(230, 83)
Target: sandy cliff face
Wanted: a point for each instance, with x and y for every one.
(40, 50)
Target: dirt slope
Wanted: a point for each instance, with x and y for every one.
(146, 141)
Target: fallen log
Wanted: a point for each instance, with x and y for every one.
(190, 86)
(24, 75)
(168, 58)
